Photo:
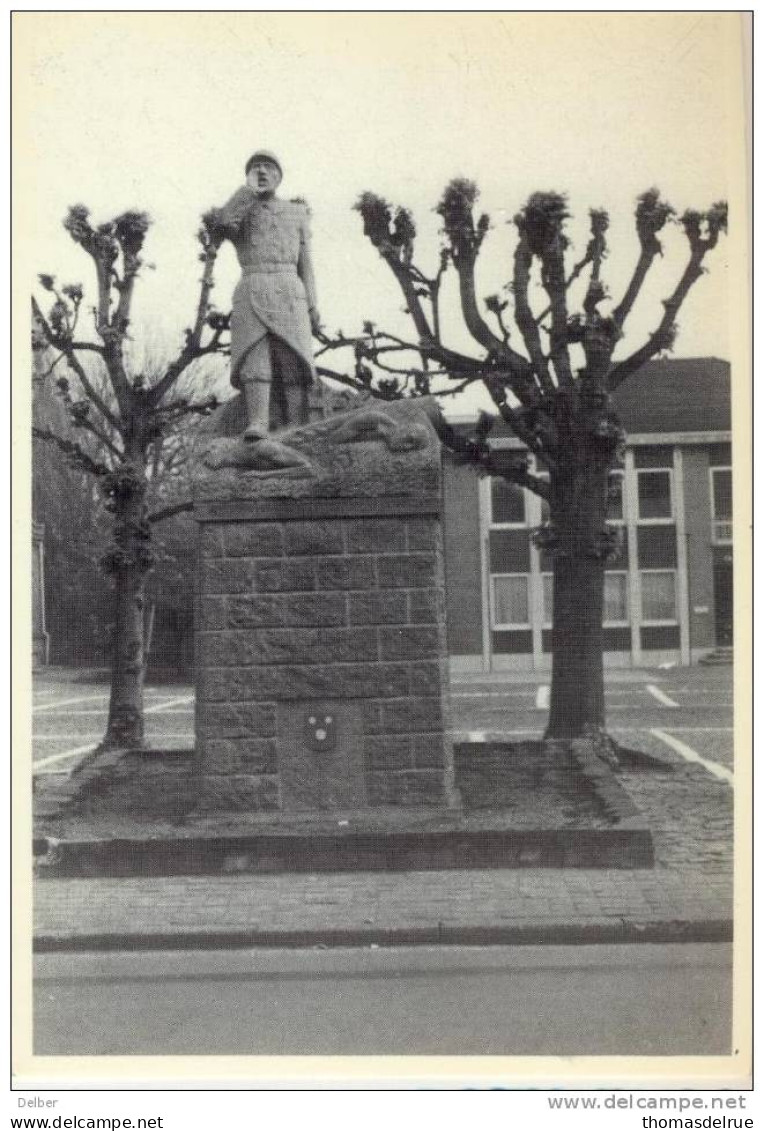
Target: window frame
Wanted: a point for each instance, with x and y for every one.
(492, 523)
(716, 538)
(658, 622)
(510, 626)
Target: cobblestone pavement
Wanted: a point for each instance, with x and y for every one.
(318, 905)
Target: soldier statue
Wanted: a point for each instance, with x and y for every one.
(274, 305)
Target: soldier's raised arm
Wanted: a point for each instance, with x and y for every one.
(227, 220)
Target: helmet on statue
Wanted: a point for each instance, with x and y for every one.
(263, 155)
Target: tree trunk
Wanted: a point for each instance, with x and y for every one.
(579, 547)
(127, 563)
(577, 698)
(125, 726)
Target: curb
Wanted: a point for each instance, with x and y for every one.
(626, 846)
(521, 934)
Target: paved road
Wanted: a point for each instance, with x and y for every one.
(692, 706)
(69, 719)
(596, 1000)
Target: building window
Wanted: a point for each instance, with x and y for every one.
(507, 504)
(615, 608)
(615, 499)
(510, 606)
(615, 605)
(654, 496)
(721, 504)
(658, 596)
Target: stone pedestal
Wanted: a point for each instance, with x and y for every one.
(320, 641)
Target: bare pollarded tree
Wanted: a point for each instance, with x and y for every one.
(550, 371)
(119, 421)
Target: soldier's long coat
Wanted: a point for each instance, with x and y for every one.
(276, 289)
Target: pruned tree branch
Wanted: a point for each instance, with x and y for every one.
(578, 269)
(702, 231)
(73, 451)
(526, 323)
(82, 421)
(541, 224)
(651, 216)
(68, 351)
(465, 239)
(170, 511)
(596, 252)
(193, 348)
(491, 461)
(129, 230)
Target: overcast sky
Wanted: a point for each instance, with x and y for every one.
(160, 111)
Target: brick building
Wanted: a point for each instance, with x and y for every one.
(668, 595)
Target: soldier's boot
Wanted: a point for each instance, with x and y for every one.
(257, 399)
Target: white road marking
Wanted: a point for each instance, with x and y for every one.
(491, 694)
(60, 757)
(158, 709)
(499, 710)
(87, 711)
(63, 737)
(169, 703)
(185, 737)
(660, 695)
(97, 737)
(70, 702)
(488, 736)
(691, 755)
(542, 697)
(690, 730)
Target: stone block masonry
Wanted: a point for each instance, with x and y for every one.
(321, 642)
(304, 611)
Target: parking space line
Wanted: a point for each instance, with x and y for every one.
(157, 710)
(69, 702)
(63, 737)
(490, 735)
(61, 757)
(682, 730)
(503, 710)
(492, 694)
(87, 711)
(691, 755)
(169, 703)
(186, 736)
(660, 695)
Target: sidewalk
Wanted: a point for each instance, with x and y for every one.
(475, 907)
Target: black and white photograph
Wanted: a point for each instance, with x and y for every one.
(382, 440)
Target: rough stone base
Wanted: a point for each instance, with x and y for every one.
(321, 652)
